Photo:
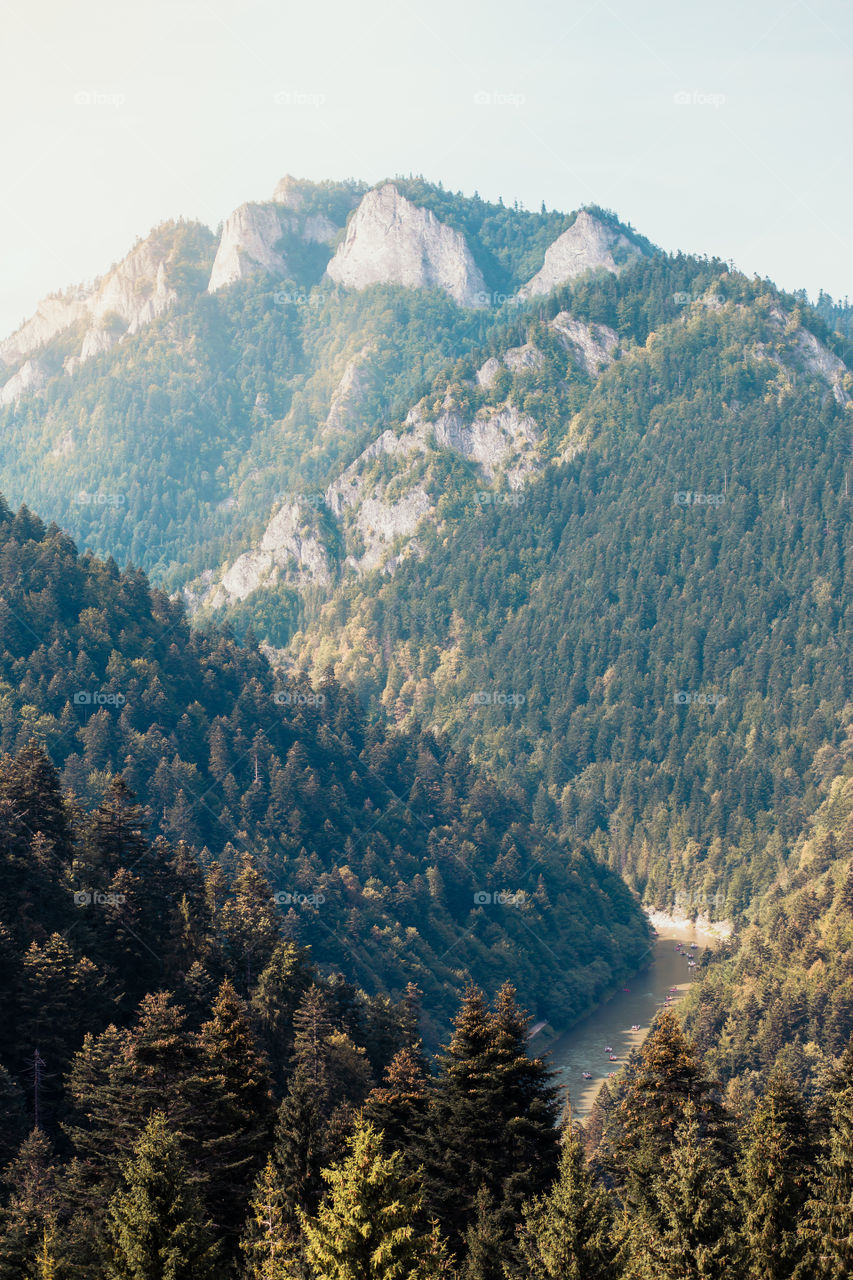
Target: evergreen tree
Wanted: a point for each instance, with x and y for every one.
(233, 1108)
(269, 1244)
(29, 1217)
(366, 1226)
(777, 1160)
(156, 1224)
(828, 1219)
(485, 1243)
(567, 1234)
(665, 1080)
(492, 1119)
(693, 1231)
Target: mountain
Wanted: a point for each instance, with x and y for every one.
(579, 505)
(392, 857)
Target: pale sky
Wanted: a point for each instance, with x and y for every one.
(721, 128)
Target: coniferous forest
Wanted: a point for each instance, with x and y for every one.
(371, 664)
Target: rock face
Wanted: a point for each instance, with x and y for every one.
(373, 513)
(251, 235)
(288, 552)
(593, 344)
(389, 240)
(348, 395)
(131, 295)
(247, 244)
(30, 377)
(589, 244)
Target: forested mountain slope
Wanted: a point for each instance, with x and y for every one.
(390, 854)
(652, 635)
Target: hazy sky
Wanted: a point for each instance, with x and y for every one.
(720, 128)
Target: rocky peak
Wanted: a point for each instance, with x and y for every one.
(588, 245)
(130, 295)
(248, 243)
(389, 240)
(288, 192)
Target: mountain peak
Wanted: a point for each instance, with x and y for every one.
(589, 244)
(390, 240)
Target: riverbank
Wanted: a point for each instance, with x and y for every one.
(667, 921)
(597, 1046)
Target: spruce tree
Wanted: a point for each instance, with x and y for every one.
(31, 1211)
(692, 1230)
(156, 1227)
(492, 1119)
(567, 1234)
(776, 1163)
(485, 1244)
(233, 1117)
(366, 1228)
(642, 1126)
(828, 1218)
(269, 1244)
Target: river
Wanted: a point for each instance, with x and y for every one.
(584, 1047)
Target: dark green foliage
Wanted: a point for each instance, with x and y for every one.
(492, 1122)
(567, 1234)
(156, 1225)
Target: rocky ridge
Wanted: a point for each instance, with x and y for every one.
(588, 245)
(389, 240)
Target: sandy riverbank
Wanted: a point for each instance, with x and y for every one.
(719, 930)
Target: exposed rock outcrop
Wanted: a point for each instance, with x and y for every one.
(593, 345)
(251, 236)
(289, 551)
(588, 245)
(247, 244)
(389, 240)
(30, 377)
(129, 296)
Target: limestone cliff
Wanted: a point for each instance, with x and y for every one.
(389, 240)
(588, 245)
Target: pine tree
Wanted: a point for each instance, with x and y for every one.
(692, 1233)
(32, 1210)
(156, 1225)
(269, 1243)
(366, 1226)
(777, 1160)
(567, 1234)
(398, 1108)
(828, 1219)
(643, 1125)
(233, 1108)
(485, 1245)
(301, 1145)
(492, 1121)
